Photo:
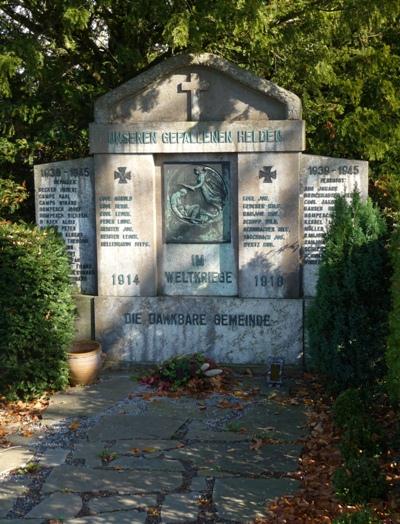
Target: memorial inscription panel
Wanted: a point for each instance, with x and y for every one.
(125, 225)
(322, 179)
(64, 199)
(269, 225)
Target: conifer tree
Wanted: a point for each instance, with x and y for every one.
(347, 322)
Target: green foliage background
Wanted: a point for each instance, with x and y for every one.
(340, 56)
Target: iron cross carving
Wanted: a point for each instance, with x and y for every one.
(193, 87)
(122, 175)
(267, 174)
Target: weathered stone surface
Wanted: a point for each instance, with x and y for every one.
(57, 506)
(89, 400)
(53, 457)
(90, 452)
(198, 484)
(125, 198)
(118, 503)
(197, 137)
(243, 499)
(183, 408)
(149, 464)
(238, 458)
(180, 507)
(79, 479)
(10, 490)
(275, 421)
(118, 427)
(64, 198)
(23, 521)
(216, 325)
(232, 94)
(269, 225)
(141, 445)
(84, 322)
(13, 458)
(118, 517)
(322, 178)
(199, 431)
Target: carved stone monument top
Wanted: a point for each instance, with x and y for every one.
(232, 94)
(204, 217)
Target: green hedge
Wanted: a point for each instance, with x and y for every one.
(347, 322)
(36, 310)
(393, 347)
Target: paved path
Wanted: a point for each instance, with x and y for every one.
(106, 455)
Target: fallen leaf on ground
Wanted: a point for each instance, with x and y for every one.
(75, 425)
(256, 444)
(226, 404)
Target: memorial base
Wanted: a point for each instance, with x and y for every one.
(229, 330)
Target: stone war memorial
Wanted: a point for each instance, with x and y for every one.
(197, 222)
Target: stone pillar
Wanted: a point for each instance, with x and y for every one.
(125, 205)
(269, 225)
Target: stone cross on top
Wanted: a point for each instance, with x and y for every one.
(193, 86)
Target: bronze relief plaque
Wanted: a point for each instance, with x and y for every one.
(197, 202)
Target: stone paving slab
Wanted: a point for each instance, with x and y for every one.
(150, 464)
(53, 457)
(145, 446)
(119, 517)
(184, 408)
(118, 427)
(89, 400)
(208, 447)
(239, 458)
(9, 491)
(57, 506)
(21, 521)
(13, 458)
(205, 435)
(180, 507)
(243, 499)
(80, 479)
(274, 420)
(125, 502)
(90, 452)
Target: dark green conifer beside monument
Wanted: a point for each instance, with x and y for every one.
(348, 319)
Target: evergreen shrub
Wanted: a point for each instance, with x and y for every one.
(360, 480)
(347, 322)
(364, 516)
(393, 346)
(36, 311)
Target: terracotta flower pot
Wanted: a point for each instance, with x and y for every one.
(84, 359)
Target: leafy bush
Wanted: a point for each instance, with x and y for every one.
(12, 195)
(179, 370)
(348, 319)
(360, 480)
(359, 517)
(36, 311)
(195, 371)
(393, 346)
